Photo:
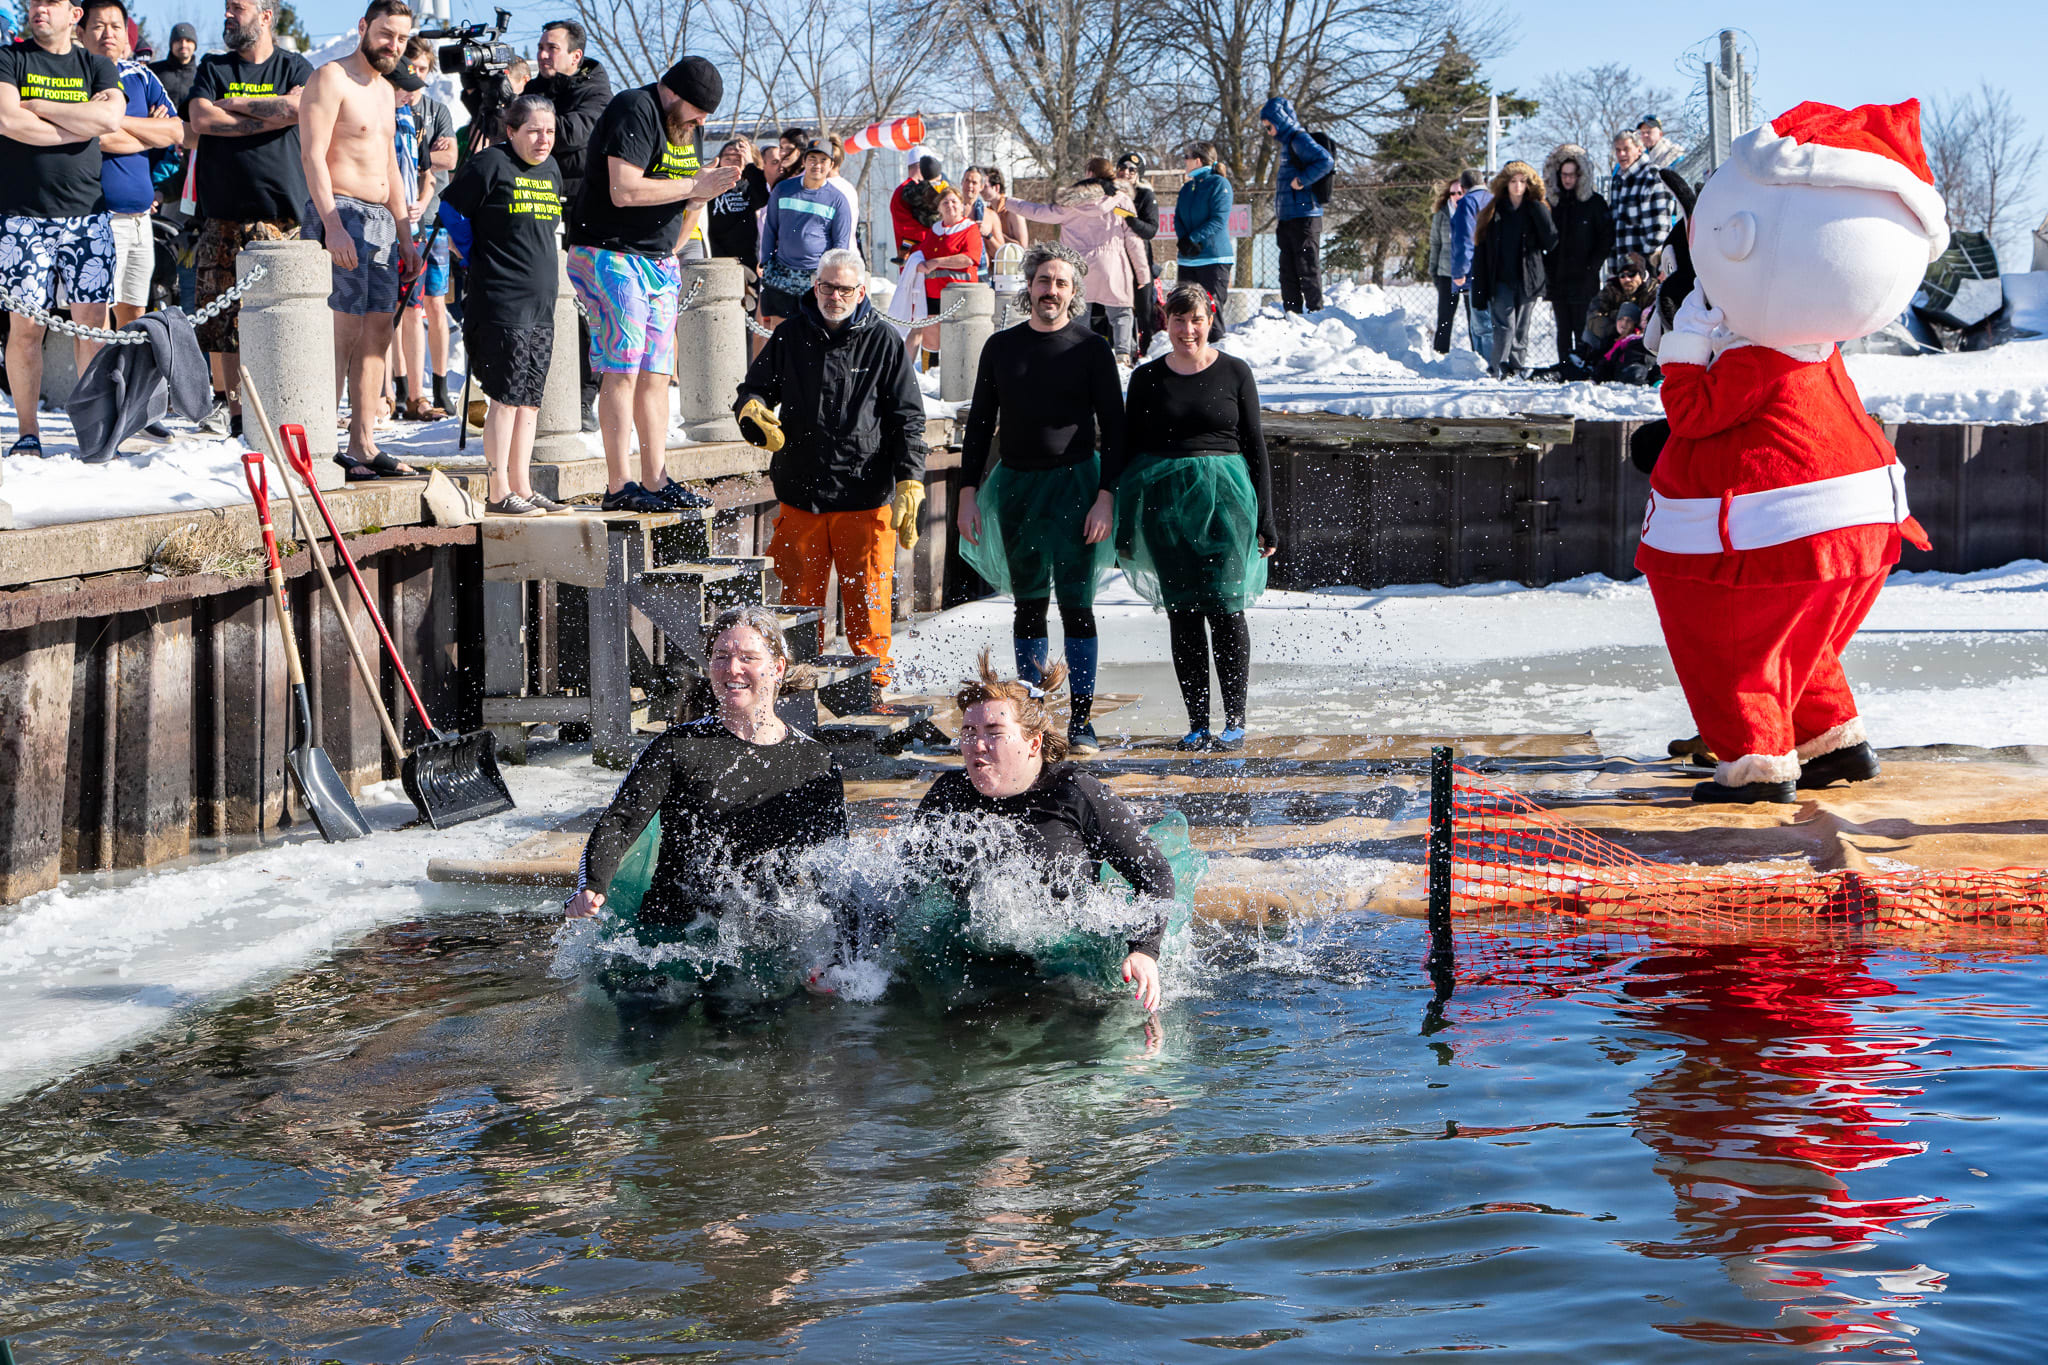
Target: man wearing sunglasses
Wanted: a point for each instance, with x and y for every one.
(847, 451)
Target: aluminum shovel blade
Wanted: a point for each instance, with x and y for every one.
(325, 795)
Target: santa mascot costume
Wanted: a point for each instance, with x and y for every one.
(1777, 506)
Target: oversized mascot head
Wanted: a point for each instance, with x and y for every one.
(1820, 225)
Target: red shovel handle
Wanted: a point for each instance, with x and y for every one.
(296, 450)
(258, 475)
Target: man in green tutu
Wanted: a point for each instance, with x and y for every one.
(1037, 525)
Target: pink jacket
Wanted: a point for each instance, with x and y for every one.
(1089, 223)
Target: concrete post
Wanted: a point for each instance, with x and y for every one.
(711, 350)
(6, 508)
(558, 431)
(288, 345)
(60, 368)
(961, 339)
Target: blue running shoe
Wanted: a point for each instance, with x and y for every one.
(676, 498)
(1231, 740)
(1194, 741)
(633, 498)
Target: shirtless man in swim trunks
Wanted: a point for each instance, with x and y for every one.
(348, 129)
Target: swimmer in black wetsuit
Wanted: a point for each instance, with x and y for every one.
(732, 788)
(1015, 769)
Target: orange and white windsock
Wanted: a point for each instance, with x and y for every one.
(901, 135)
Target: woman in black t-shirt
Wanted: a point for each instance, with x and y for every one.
(509, 197)
(1194, 517)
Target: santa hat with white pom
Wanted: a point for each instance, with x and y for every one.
(1873, 147)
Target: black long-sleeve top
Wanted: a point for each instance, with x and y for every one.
(1074, 825)
(1055, 396)
(724, 802)
(1210, 412)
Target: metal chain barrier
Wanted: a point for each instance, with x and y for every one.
(106, 337)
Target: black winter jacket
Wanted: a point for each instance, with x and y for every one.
(1585, 238)
(579, 102)
(1510, 253)
(852, 414)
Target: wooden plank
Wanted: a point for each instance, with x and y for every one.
(35, 697)
(568, 549)
(516, 711)
(1485, 435)
(152, 798)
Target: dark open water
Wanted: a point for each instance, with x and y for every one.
(431, 1149)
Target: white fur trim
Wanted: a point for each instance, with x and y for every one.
(1758, 768)
(1774, 160)
(1685, 348)
(1776, 516)
(1847, 735)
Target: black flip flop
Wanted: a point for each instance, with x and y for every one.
(355, 470)
(388, 466)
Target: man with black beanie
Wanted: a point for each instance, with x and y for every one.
(175, 72)
(643, 173)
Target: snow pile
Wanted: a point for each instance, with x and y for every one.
(1365, 356)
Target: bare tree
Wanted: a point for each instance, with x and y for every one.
(1985, 164)
(1589, 107)
(1050, 68)
(637, 39)
(1342, 62)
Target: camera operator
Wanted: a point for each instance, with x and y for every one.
(579, 89)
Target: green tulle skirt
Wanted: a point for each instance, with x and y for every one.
(671, 965)
(951, 960)
(1187, 532)
(1031, 546)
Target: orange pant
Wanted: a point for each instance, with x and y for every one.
(862, 547)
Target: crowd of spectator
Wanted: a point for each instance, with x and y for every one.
(1598, 258)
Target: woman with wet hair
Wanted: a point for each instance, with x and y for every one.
(1194, 510)
(732, 789)
(1015, 769)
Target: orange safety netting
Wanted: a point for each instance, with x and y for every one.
(1511, 859)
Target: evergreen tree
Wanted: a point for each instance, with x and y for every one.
(291, 30)
(1429, 142)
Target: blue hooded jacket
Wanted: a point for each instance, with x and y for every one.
(1301, 158)
(1201, 219)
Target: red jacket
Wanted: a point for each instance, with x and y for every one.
(1758, 419)
(963, 239)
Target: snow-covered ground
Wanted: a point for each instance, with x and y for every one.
(108, 958)
(1367, 355)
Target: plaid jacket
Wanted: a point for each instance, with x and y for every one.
(1643, 210)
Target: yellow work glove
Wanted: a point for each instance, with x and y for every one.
(760, 426)
(904, 509)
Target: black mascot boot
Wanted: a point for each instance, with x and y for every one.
(1857, 763)
(1752, 794)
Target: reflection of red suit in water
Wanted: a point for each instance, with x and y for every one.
(1779, 1095)
(1775, 512)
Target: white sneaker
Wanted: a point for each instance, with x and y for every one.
(215, 423)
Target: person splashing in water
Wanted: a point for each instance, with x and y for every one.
(1016, 770)
(732, 791)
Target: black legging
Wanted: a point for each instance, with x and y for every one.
(1077, 622)
(1191, 663)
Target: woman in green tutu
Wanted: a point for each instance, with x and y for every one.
(1014, 770)
(1194, 510)
(731, 791)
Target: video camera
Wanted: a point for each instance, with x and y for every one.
(481, 59)
(477, 54)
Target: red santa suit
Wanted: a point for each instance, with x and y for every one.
(1776, 510)
(1777, 507)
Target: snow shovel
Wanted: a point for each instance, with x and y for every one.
(450, 777)
(320, 787)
